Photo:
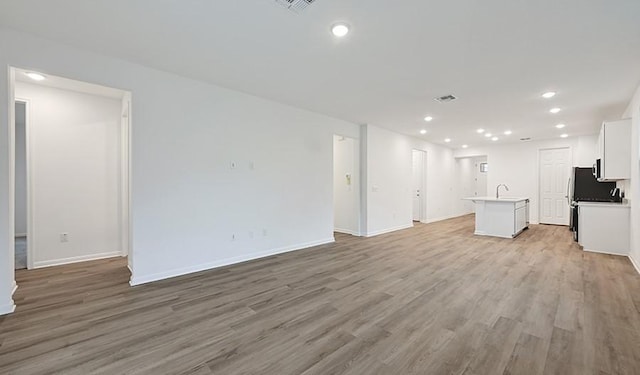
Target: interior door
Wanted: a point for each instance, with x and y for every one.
(466, 184)
(555, 167)
(481, 176)
(418, 192)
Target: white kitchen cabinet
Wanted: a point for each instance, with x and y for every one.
(522, 216)
(604, 227)
(501, 217)
(613, 153)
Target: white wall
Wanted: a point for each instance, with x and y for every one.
(187, 201)
(517, 164)
(633, 188)
(75, 165)
(21, 172)
(389, 180)
(346, 191)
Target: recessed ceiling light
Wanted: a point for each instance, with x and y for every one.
(494, 138)
(35, 76)
(447, 140)
(487, 135)
(508, 132)
(423, 131)
(560, 126)
(428, 118)
(564, 135)
(549, 95)
(555, 110)
(480, 131)
(465, 146)
(340, 29)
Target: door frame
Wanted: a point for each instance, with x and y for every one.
(29, 176)
(539, 177)
(356, 176)
(125, 176)
(423, 186)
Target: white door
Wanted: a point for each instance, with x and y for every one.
(555, 166)
(482, 168)
(346, 186)
(418, 190)
(466, 185)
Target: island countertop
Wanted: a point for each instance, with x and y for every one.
(494, 199)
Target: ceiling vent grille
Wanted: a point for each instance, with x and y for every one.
(296, 6)
(445, 99)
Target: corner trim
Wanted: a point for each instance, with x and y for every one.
(636, 265)
(15, 287)
(82, 258)
(8, 308)
(389, 230)
(138, 280)
(347, 231)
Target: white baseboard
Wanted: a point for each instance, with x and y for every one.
(7, 308)
(83, 258)
(604, 252)
(636, 265)
(389, 230)
(346, 231)
(493, 235)
(138, 280)
(433, 220)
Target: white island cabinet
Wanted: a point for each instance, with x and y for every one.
(501, 217)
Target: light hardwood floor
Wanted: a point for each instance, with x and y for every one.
(433, 299)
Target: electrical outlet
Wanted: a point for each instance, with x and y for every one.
(233, 237)
(232, 165)
(64, 237)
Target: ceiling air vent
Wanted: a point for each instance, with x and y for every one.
(525, 139)
(445, 99)
(296, 6)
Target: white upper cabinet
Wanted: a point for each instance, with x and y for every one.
(614, 151)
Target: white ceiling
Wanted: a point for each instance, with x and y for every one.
(497, 56)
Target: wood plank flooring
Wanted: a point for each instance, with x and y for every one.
(433, 299)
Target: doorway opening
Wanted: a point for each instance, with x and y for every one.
(471, 181)
(346, 185)
(419, 185)
(20, 188)
(70, 170)
(555, 168)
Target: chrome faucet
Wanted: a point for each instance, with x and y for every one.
(498, 190)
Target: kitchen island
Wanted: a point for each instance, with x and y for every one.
(501, 217)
